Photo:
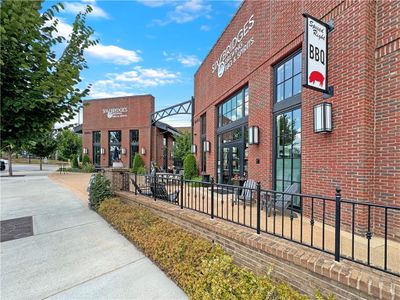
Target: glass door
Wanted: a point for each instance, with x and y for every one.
(232, 166)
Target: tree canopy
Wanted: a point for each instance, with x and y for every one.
(38, 87)
(182, 146)
(68, 144)
(44, 145)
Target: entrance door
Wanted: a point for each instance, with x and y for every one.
(232, 166)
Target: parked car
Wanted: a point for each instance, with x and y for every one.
(3, 164)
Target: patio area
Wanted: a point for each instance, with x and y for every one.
(299, 228)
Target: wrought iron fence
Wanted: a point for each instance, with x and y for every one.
(362, 232)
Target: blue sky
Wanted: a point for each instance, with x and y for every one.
(148, 46)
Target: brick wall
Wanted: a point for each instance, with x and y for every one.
(362, 154)
(303, 268)
(139, 108)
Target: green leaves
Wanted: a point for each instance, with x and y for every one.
(38, 90)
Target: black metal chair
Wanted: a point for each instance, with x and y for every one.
(159, 191)
(145, 191)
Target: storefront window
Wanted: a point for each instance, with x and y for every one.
(134, 145)
(288, 124)
(235, 108)
(288, 78)
(114, 142)
(96, 147)
(203, 124)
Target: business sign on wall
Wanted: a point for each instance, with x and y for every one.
(238, 46)
(316, 54)
(115, 112)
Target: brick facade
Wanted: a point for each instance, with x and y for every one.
(136, 117)
(362, 153)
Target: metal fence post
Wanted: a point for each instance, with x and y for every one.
(181, 191)
(258, 206)
(212, 197)
(155, 186)
(337, 224)
(136, 183)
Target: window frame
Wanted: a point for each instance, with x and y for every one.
(293, 100)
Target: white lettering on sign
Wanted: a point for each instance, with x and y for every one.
(316, 40)
(234, 50)
(115, 112)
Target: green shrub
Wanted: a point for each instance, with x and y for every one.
(137, 163)
(100, 189)
(85, 160)
(190, 167)
(141, 171)
(202, 270)
(74, 161)
(88, 168)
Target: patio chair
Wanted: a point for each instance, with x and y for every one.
(245, 192)
(145, 191)
(160, 192)
(286, 198)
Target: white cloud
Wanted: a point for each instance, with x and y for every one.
(114, 54)
(205, 28)
(132, 82)
(76, 7)
(185, 60)
(182, 12)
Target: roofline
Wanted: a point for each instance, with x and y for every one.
(119, 98)
(220, 36)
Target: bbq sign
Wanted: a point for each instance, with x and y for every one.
(316, 54)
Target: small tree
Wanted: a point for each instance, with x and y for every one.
(99, 189)
(190, 167)
(74, 162)
(43, 146)
(69, 143)
(182, 146)
(137, 163)
(85, 160)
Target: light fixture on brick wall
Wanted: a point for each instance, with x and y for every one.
(194, 149)
(123, 151)
(102, 151)
(254, 137)
(323, 117)
(206, 146)
(85, 150)
(143, 151)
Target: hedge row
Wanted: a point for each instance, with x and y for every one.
(202, 270)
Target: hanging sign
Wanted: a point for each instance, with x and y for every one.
(316, 54)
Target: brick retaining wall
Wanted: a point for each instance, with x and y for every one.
(303, 268)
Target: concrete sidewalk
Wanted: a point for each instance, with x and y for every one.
(73, 253)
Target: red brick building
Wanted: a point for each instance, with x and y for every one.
(262, 50)
(123, 123)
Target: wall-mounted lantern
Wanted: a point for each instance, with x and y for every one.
(194, 149)
(102, 151)
(206, 146)
(123, 151)
(143, 151)
(85, 150)
(323, 117)
(254, 137)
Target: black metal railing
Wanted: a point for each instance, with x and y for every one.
(362, 232)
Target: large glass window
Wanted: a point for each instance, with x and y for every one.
(203, 125)
(288, 78)
(287, 118)
(234, 108)
(96, 144)
(114, 142)
(134, 144)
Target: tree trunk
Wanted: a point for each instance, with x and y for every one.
(40, 160)
(9, 164)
